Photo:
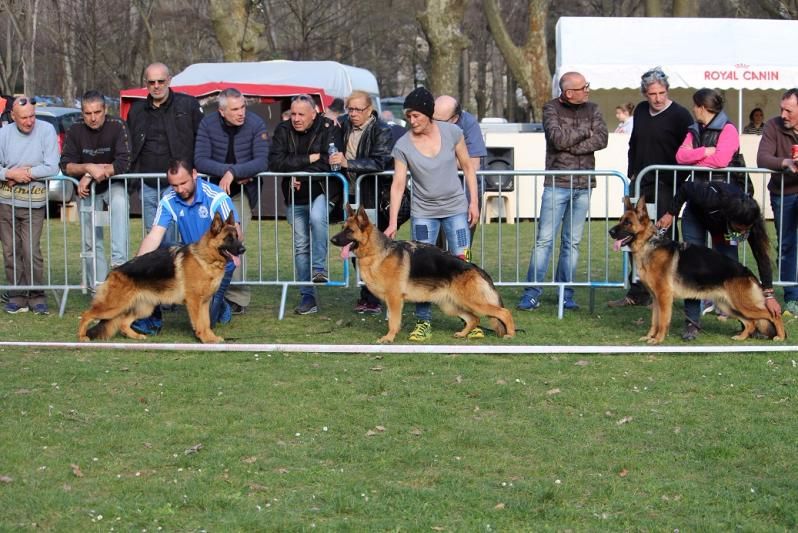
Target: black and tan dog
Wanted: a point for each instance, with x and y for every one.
(190, 274)
(399, 271)
(675, 270)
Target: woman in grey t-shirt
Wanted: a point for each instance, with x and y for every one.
(431, 150)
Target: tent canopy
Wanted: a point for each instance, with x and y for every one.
(336, 79)
(613, 52)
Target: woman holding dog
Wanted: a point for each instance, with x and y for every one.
(711, 204)
(431, 151)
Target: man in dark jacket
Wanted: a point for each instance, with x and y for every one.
(162, 128)
(94, 150)
(367, 149)
(775, 152)
(301, 145)
(574, 130)
(233, 148)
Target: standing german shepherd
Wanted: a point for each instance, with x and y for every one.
(676, 270)
(399, 271)
(190, 274)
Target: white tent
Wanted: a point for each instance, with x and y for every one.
(613, 52)
(336, 79)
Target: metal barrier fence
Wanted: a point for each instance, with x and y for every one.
(71, 251)
(506, 251)
(664, 179)
(59, 271)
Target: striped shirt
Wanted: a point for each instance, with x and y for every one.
(194, 220)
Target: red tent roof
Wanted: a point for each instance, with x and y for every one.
(267, 93)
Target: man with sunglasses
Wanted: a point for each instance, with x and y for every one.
(28, 153)
(162, 127)
(574, 131)
(367, 149)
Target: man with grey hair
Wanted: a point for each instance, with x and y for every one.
(28, 153)
(574, 131)
(660, 126)
(233, 148)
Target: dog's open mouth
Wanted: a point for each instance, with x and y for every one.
(619, 243)
(234, 258)
(347, 250)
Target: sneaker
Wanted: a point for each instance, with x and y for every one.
(360, 306)
(791, 307)
(528, 303)
(40, 309)
(5, 297)
(690, 332)
(570, 304)
(147, 326)
(13, 308)
(235, 308)
(476, 333)
(227, 314)
(422, 331)
(320, 276)
(307, 305)
(371, 309)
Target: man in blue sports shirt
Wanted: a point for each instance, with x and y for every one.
(190, 204)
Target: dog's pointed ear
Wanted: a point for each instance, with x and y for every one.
(231, 220)
(641, 207)
(349, 210)
(627, 204)
(217, 224)
(362, 216)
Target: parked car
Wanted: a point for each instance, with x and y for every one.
(60, 117)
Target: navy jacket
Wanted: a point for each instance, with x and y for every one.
(251, 147)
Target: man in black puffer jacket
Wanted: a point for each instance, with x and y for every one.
(367, 149)
(300, 145)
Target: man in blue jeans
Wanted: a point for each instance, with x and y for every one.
(574, 130)
(775, 152)
(190, 204)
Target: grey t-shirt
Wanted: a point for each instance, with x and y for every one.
(437, 190)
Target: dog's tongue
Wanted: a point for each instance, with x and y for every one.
(234, 258)
(345, 251)
(617, 245)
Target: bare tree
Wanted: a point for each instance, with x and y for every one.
(237, 29)
(528, 62)
(442, 22)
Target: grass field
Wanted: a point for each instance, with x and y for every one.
(100, 440)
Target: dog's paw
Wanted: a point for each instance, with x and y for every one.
(645, 338)
(212, 339)
(84, 338)
(460, 334)
(653, 340)
(740, 337)
(386, 339)
(778, 339)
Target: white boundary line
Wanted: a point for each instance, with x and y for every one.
(404, 348)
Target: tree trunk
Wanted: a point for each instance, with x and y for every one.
(442, 23)
(236, 29)
(653, 8)
(685, 8)
(529, 63)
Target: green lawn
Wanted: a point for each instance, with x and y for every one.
(101, 440)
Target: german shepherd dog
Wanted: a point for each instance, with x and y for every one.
(676, 270)
(399, 271)
(190, 274)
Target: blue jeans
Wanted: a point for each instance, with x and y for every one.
(568, 207)
(310, 225)
(217, 302)
(694, 232)
(458, 237)
(115, 200)
(786, 228)
(150, 198)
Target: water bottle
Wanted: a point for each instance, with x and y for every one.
(330, 151)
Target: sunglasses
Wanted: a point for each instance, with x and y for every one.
(156, 82)
(356, 109)
(303, 98)
(25, 101)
